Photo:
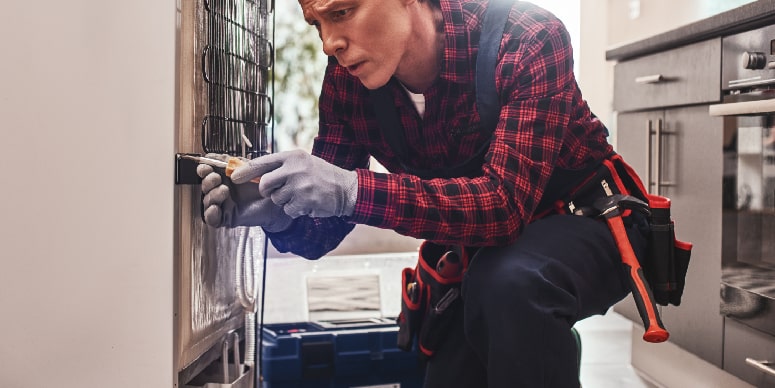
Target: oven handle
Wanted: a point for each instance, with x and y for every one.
(764, 366)
(743, 108)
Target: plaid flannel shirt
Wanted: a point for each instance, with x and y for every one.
(544, 123)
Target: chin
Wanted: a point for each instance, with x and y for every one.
(374, 82)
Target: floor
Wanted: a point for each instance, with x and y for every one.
(605, 359)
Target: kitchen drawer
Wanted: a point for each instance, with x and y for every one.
(742, 342)
(682, 76)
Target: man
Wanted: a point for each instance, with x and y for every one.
(533, 271)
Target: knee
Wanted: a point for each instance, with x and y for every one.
(494, 276)
(518, 280)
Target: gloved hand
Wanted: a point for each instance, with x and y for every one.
(302, 184)
(230, 205)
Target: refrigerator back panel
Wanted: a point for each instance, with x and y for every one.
(224, 59)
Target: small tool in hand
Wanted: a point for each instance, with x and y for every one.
(229, 166)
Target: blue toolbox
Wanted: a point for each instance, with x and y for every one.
(345, 353)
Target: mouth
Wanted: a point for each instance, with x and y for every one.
(353, 69)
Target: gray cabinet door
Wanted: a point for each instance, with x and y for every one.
(694, 163)
(686, 162)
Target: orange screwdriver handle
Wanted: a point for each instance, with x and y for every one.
(233, 164)
(644, 300)
(449, 265)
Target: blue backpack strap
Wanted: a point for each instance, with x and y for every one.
(493, 26)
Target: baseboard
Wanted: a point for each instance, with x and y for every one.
(670, 366)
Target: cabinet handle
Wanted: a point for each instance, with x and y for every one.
(764, 366)
(658, 164)
(649, 156)
(654, 152)
(655, 157)
(649, 79)
(660, 157)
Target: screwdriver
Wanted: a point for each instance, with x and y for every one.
(228, 166)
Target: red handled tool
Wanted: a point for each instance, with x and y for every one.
(611, 209)
(449, 265)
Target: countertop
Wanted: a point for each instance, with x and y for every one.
(746, 17)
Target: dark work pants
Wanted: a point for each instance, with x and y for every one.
(520, 302)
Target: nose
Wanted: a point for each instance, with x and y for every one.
(333, 41)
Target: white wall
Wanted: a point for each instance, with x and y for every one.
(595, 75)
(657, 16)
(86, 200)
(606, 24)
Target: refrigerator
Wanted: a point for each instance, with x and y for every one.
(225, 56)
(109, 278)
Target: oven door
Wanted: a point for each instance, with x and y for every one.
(748, 254)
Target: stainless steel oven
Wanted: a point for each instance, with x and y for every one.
(748, 243)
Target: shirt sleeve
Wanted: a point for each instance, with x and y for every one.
(314, 237)
(539, 98)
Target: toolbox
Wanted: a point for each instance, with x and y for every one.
(344, 353)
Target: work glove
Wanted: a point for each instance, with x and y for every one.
(228, 204)
(302, 184)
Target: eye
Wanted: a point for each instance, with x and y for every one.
(341, 14)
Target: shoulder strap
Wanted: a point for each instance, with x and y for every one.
(488, 104)
(389, 120)
(493, 26)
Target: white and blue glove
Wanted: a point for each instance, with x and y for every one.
(227, 204)
(302, 184)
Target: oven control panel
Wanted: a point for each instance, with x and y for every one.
(748, 61)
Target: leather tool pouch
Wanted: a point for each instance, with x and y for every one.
(667, 258)
(430, 297)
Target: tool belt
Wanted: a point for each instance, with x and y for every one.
(430, 296)
(431, 290)
(667, 259)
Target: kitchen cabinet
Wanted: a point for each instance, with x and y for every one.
(687, 158)
(667, 136)
(749, 353)
(665, 89)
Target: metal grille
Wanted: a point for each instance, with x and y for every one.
(235, 65)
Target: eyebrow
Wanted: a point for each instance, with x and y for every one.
(328, 6)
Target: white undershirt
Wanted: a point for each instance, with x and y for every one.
(417, 99)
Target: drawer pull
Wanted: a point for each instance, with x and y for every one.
(764, 366)
(649, 79)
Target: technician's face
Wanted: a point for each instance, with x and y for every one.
(368, 37)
